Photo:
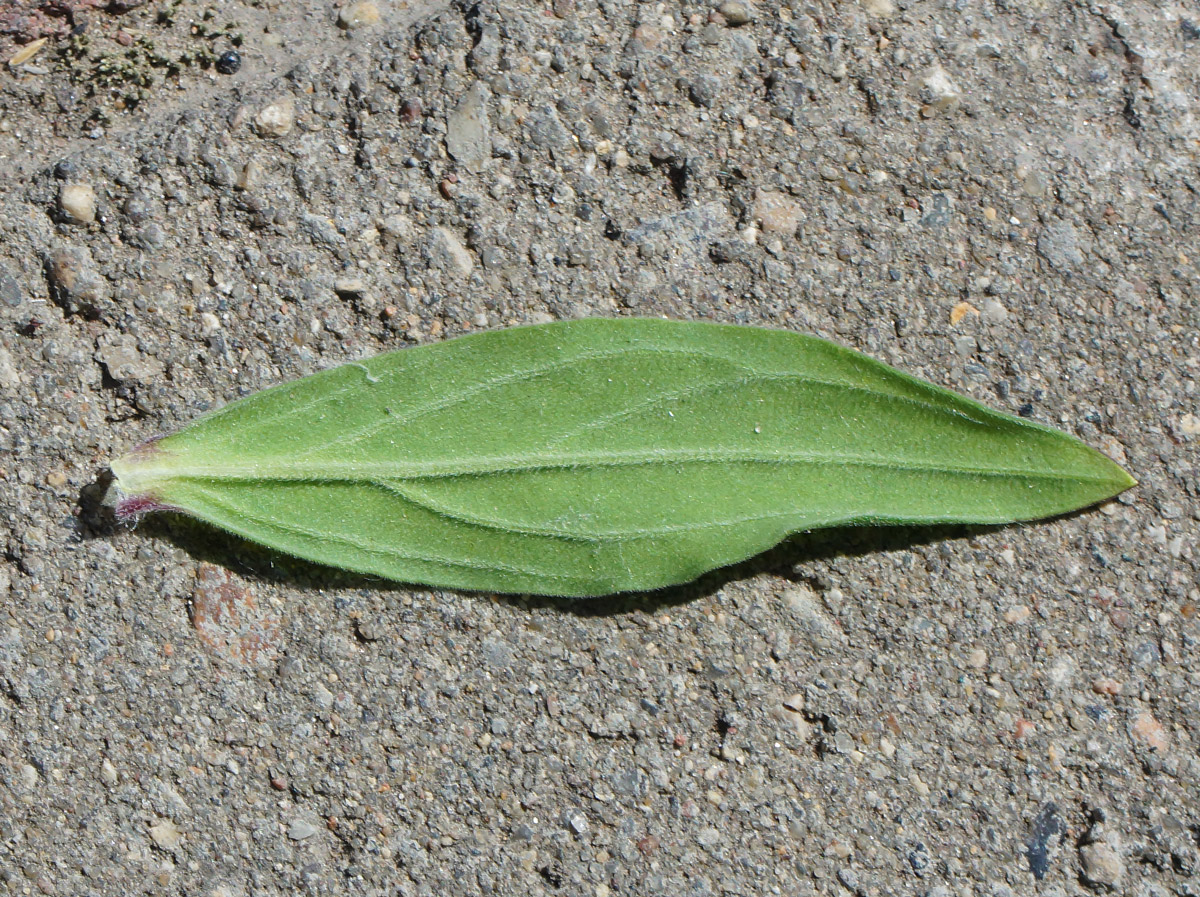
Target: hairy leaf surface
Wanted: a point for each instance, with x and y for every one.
(599, 456)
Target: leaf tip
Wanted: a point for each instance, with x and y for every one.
(1122, 479)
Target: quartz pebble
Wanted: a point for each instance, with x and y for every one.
(994, 312)
(77, 203)
(940, 92)
(359, 15)
(276, 119)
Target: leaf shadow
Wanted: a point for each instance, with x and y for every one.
(209, 544)
(785, 560)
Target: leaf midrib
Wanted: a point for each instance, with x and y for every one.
(320, 470)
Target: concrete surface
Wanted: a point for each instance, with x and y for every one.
(998, 196)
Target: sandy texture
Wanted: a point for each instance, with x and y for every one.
(1000, 197)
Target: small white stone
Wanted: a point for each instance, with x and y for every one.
(1189, 424)
(108, 773)
(276, 119)
(881, 8)
(78, 202)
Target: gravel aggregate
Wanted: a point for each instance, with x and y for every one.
(998, 197)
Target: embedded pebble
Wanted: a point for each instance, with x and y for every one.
(736, 12)
(11, 294)
(940, 91)
(961, 310)
(446, 250)
(359, 14)
(1044, 840)
(276, 119)
(1149, 732)
(229, 62)
(777, 212)
(468, 130)
(688, 232)
(349, 287)
(577, 823)
(251, 176)
(1018, 614)
(209, 323)
(300, 829)
(9, 378)
(119, 354)
(994, 312)
(166, 835)
(1059, 245)
(78, 203)
(398, 225)
(1102, 865)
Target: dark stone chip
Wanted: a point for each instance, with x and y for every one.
(229, 62)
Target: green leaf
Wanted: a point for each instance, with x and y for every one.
(600, 456)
